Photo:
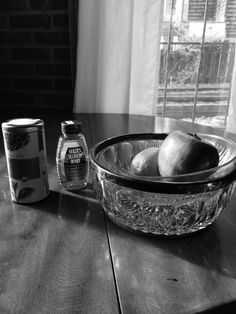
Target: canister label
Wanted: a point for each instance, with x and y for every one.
(27, 165)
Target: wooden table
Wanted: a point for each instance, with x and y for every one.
(62, 255)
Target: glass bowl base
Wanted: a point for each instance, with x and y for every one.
(162, 214)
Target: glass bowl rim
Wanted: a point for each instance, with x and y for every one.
(162, 184)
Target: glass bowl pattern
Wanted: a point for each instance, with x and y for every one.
(163, 206)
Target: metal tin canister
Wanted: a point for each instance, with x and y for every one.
(25, 150)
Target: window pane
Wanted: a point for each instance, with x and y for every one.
(178, 80)
(197, 58)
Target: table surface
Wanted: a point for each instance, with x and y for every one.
(63, 255)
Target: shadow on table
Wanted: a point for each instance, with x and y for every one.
(212, 248)
(228, 308)
(78, 206)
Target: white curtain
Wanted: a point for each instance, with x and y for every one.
(118, 56)
(231, 121)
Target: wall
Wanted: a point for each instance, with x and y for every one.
(35, 56)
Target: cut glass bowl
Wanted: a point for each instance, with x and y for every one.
(162, 206)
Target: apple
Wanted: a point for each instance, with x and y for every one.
(182, 153)
(145, 163)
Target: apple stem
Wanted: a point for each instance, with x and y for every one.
(196, 136)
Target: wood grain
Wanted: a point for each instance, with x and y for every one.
(54, 255)
(192, 274)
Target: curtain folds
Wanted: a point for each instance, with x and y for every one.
(118, 56)
(231, 121)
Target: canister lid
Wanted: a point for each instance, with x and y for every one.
(71, 127)
(22, 125)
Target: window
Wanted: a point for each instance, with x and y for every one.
(197, 58)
